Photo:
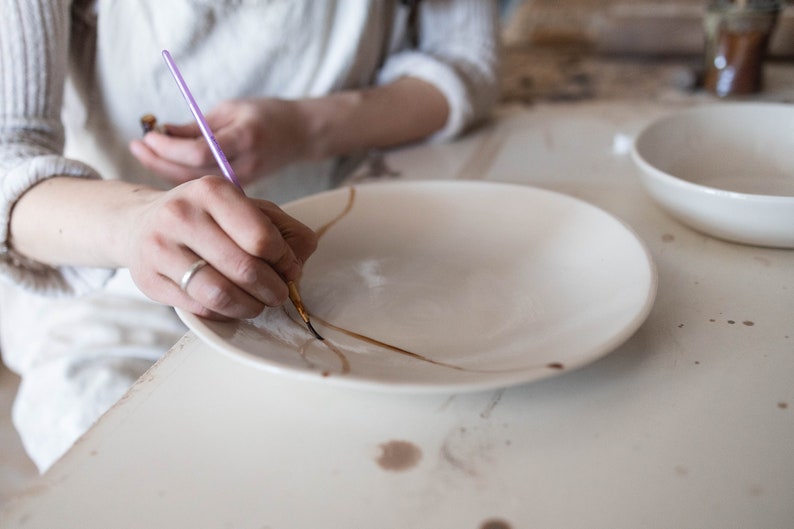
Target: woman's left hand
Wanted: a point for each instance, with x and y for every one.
(258, 136)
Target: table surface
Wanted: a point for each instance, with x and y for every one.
(688, 424)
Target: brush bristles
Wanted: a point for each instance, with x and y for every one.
(314, 332)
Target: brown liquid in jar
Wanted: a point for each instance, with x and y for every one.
(737, 64)
(737, 38)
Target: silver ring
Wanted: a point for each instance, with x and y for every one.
(195, 267)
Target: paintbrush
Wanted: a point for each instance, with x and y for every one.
(228, 172)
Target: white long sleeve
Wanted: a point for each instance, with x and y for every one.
(105, 56)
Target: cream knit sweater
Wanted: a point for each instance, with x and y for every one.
(76, 76)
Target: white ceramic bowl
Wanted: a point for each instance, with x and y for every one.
(724, 169)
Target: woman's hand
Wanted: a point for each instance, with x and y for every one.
(251, 248)
(258, 136)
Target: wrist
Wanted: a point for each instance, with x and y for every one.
(132, 203)
(404, 111)
(329, 124)
(74, 221)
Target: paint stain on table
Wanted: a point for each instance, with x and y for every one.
(746, 323)
(495, 524)
(399, 456)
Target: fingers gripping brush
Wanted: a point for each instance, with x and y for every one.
(228, 172)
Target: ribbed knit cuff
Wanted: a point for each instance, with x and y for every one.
(442, 76)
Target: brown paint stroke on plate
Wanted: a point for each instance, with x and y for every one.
(345, 363)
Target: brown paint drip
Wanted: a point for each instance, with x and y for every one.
(385, 345)
(351, 198)
(303, 348)
(345, 363)
(495, 524)
(342, 357)
(399, 456)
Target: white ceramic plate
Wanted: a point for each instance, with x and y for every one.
(450, 286)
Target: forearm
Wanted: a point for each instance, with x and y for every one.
(74, 221)
(404, 111)
(249, 248)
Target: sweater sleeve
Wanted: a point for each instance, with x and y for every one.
(34, 44)
(458, 52)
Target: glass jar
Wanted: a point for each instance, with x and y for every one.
(737, 38)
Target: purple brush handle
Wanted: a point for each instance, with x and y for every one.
(226, 168)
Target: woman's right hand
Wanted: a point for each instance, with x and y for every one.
(252, 248)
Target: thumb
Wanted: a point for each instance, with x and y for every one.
(188, 130)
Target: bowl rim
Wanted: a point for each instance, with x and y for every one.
(659, 174)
